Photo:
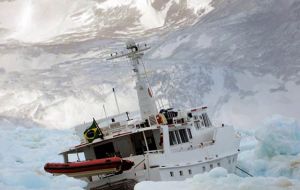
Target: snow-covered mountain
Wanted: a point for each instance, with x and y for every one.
(239, 57)
(242, 59)
(51, 65)
(68, 21)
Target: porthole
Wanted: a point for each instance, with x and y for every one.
(172, 174)
(181, 173)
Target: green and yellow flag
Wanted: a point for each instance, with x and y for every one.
(93, 132)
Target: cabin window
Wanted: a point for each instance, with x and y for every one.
(203, 168)
(178, 137)
(172, 174)
(211, 166)
(206, 120)
(183, 135)
(190, 171)
(181, 173)
(74, 157)
(229, 161)
(201, 120)
(189, 133)
(105, 150)
(219, 164)
(197, 125)
(172, 138)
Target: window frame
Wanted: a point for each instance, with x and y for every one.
(189, 132)
(178, 137)
(174, 138)
(183, 135)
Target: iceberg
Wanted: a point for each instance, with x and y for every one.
(278, 136)
(25, 148)
(276, 151)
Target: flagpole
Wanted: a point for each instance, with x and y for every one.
(104, 111)
(98, 127)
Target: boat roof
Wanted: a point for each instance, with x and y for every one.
(122, 131)
(80, 147)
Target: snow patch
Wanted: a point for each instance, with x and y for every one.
(200, 6)
(168, 50)
(219, 179)
(204, 41)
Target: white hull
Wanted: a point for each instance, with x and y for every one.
(179, 173)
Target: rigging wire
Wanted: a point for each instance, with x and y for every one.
(149, 86)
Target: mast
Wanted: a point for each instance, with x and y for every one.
(145, 98)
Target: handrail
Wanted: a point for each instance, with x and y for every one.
(155, 151)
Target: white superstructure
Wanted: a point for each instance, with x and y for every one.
(165, 145)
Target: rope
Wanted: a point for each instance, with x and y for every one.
(244, 171)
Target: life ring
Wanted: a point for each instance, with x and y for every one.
(161, 119)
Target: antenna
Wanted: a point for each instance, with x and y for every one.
(133, 50)
(135, 53)
(106, 117)
(116, 100)
(128, 118)
(104, 111)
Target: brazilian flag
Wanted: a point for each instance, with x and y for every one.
(93, 132)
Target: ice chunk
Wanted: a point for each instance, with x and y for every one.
(218, 172)
(25, 148)
(278, 136)
(277, 150)
(218, 179)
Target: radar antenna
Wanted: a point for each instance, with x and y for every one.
(135, 52)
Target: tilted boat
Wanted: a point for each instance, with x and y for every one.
(165, 145)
